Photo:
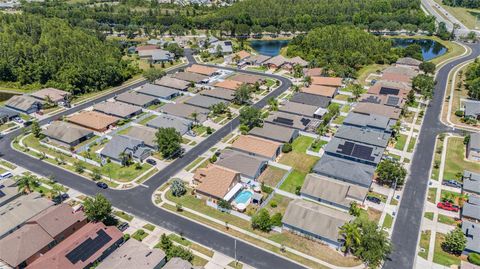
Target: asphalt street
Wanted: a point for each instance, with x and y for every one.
(138, 201)
(406, 231)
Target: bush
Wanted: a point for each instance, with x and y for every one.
(297, 190)
(276, 219)
(224, 204)
(459, 113)
(178, 187)
(474, 258)
(287, 147)
(273, 204)
(126, 237)
(213, 158)
(261, 221)
(266, 188)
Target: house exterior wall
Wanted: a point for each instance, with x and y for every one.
(324, 201)
(330, 243)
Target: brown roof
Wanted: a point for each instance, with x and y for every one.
(320, 90)
(93, 120)
(200, 69)
(54, 94)
(229, 84)
(216, 180)
(314, 72)
(396, 77)
(389, 88)
(377, 109)
(243, 54)
(256, 145)
(146, 47)
(327, 81)
(244, 78)
(56, 258)
(56, 219)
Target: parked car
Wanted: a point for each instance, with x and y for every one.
(60, 198)
(374, 199)
(452, 183)
(152, 162)
(123, 226)
(448, 206)
(102, 185)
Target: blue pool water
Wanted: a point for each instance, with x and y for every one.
(268, 47)
(243, 197)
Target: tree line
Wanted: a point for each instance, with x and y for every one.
(462, 3)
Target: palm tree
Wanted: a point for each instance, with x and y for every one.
(273, 103)
(27, 183)
(307, 80)
(194, 115)
(125, 158)
(351, 234)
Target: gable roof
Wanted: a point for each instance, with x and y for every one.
(22, 102)
(184, 111)
(278, 60)
(143, 133)
(188, 76)
(377, 109)
(246, 78)
(122, 143)
(201, 69)
(172, 82)
(56, 219)
(8, 113)
(55, 95)
(355, 150)
(243, 54)
(117, 109)
(299, 122)
(405, 71)
(133, 254)
(471, 181)
(215, 180)
(311, 99)
(93, 120)
(327, 81)
(177, 263)
(386, 100)
(299, 109)
(274, 132)
(219, 93)
(229, 84)
(472, 233)
(320, 90)
(369, 121)
(157, 91)
(257, 59)
(135, 98)
(65, 132)
(383, 87)
(314, 72)
(181, 125)
(396, 77)
(243, 163)
(257, 145)
(472, 108)
(409, 61)
(474, 142)
(363, 135)
(204, 101)
(346, 170)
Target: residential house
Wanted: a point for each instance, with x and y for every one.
(202, 70)
(190, 77)
(311, 99)
(9, 191)
(7, 114)
(257, 59)
(321, 90)
(91, 243)
(332, 192)
(473, 147)
(303, 110)
(181, 125)
(275, 62)
(219, 93)
(471, 229)
(24, 103)
(257, 146)
(390, 88)
(185, 111)
(118, 109)
(397, 77)
(315, 221)
(224, 47)
(157, 91)
(66, 134)
(240, 56)
(471, 182)
(354, 151)
(229, 84)
(370, 121)
(409, 62)
(363, 135)
(93, 120)
(121, 148)
(217, 182)
(386, 100)
(146, 48)
(51, 94)
(335, 82)
(400, 70)
(174, 83)
(471, 209)
(247, 79)
(471, 109)
(145, 134)
(177, 263)
(345, 170)
(275, 132)
(377, 109)
(203, 101)
(249, 167)
(298, 122)
(134, 254)
(137, 99)
(156, 55)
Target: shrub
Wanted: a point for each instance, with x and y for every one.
(261, 221)
(213, 158)
(287, 147)
(474, 258)
(459, 113)
(126, 237)
(178, 187)
(273, 204)
(179, 207)
(276, 219)
(297, 190)
(224, 204)
(266, 188)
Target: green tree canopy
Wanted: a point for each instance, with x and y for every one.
(455, 241)
(389, 172)
(97, 208)
(168, 141)
(250, 117)
(424, 84)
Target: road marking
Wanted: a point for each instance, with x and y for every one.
(145, 186)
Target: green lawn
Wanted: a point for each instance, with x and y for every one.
(149, 227)
(301, 143)
(317, 145)
(191, 245)
(432, 194)
(147, 176)
(446, 220)
(236, 264)
(278, 204)
(436, 159)
(6, 126)
(425, 244)
(338, 119)
(125, 131)
(464, 15)
(411, 144)
(388, 221)
(342, 97)
(139, 235)
(296, 178)
(402, 139)
(195, 162)
(147, 119)
(428, 215)
(442, 257)
(456, 162)
(7, 164)
(123, 215)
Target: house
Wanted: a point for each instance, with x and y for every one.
(275, 62)
(177, 263)
(303, 110)
(397, 89)
(203, 101)
(229, 84)
(181, 125)
(174, 83)
(257, 59)
(473, 147)
(471, 209)
(240, 56)
(363, 135)
(202, 70)
(40, 234)
(257, 146)
(472, 233)
(386, 100)
(137, 99)
(185, 111)
(145, 134)
(332, 192)
(190, 77)
(15, 213)
(321, 90)
(315, 221)
(224, 47)
(156, 55)
(249, 167)
(300, 123)
(471, 182)
(24, 103)
(118, 109)
(7, 114)
(370, 121)
(157, 91)
(409, 62)
(121, 148)
(377, 109)
(355, 151)
(247, 79)
(311, 99)
(345, 170)
(335, 82)
(9, 191)
(93, 120)
(275, 132)
(134, 254)
(313, 72)
(217, 182)
(66, 134)
(397, 77)
(92, 242)
(145, 48)
(401, 70)
(219, 93)
(51, 94)
(471, 109)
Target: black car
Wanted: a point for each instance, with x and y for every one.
(123, 226)
(452, 183)
(60, 198)
(102, 185)
(374, 199)
(152, 162)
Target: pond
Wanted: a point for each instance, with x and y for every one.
(4, 96)
(430, 48)
(268, 47)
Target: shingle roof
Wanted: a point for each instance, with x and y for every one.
(243, 54)
(56, 219)
(355, 150)
(188, 76)
(256, 145)
(327, 81)
(471, 181)
(474, 142)
(177, 263)
(405, 71)
(184, 111)
(472, 208)
(22, 102)
(136, 99)
(204, 101)
(409, 61)
(168, 121)
(377, 109)
(7, 112)
(389, 88)
(396, 77)
(122, 143)
(215, 180)
(245, 78)
(202, 70)
(311, 99)
(278, 60)
(133, 254)
(143, 133)
(299, 109)
(292, 121)
(274, 132)
(220, 93)
(369, 121)
(54, 94)
(363, 135)
(257, 59)
(173, 83)
(320, 90)
(117, 109)
(346, 170)
(386, 100)
(65, 132)
(245, 164)
(93, 120)
(472, 232)
(229, 84)
(472, 108)
(157, 91)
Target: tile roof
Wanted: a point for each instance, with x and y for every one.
(320, 90)
(245, 78)
(133, 254)
(256, 145)
(56, 219)
(66, 132)
(243, 54)
(93, 120)
(215, 180)
(327, 81)
(117, 109)
(396, 78)
(314, 72)
(400, 70)
(201, 69)
(135, 98)
(54, 94)
(229, 84)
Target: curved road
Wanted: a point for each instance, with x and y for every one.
(138, 201)
(410, 214)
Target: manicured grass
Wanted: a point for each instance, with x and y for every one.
(123, 215)
(8, 165)
(139, 235)
(428, 215)
(365, 71)
(394, 201)
(402, 139)
(201, 130)
(6, 126)
(464, 15)
(296, 178)
(342, 97)
(424, 244)
(371, 214)
(226, 138)
(388, 221)
(149, 227)
(299, 161)
(436, 159)
(446, 220)
(301, 143)
(345, 108)
(195, 162)
(317, 145)
(147, 119)
(411, 144)
(395, 156)
(278, 204)
(338, 119)
(432, 194)
(272, 175)
(125, 131)
(380, 196)
(203, 164)
(456, 162)
(191, 245)
(147, 176)
(155, 106)
(442, 257)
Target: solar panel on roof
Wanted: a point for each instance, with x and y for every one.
(392, 101)
(305, 121)
(86, 249)
(284, 121)
(372, 99)
(363, 152)
(385, 91)
(346, 148)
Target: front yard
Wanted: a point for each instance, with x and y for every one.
(456, 162)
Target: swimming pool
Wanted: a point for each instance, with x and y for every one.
(243, 197)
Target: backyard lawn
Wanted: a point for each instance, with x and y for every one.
(456, 162)
(296, 178)
(272, 175)
(442, 257)
(402, 139)
(278, 204)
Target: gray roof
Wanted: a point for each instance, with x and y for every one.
(299, 109)
(472, 232)
(185, 111)
(18, 211)
(9, 191)
(117, 109)
(219, 93)
(133, 254)
(274, 132)
(173, 83)
(226, 46)
(123, 143)
(162, 55)
(293, 121)
(363, 135)
(65, 132)
(168, 121)
(204, 101)
(408, 61)
(22, 102)
(472, 108)
(189, 76)
(158, 91)
(7, 112)
(311, 99)
(355, 151)
(177, 263)
(316, 219)
(369, 121)
(245, 164)
(146, 134)
(332, 190)
(471, 211)
(474, 142)
(345, 170)
(257, 59)
(134, 98)
(471, 182)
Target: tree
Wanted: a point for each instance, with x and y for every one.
(153, 74)
(351, 236)
(178, 187)
(443, 32)
(36, 130)
(169, 141)
(242, 95)
(356, 90)
(413, 51)
(410, 98)
(276, 219)
(455, 242)
(97, 208)
(79, 167)
(391, 172)
(428, 67)
(165, 242)
(287, 147)
(27, 183)
(125, 158)
(261, 221)
(250, 117)
(220, 108)
(354, 209)
(96, 175)
(307, 80)
(424, 84)
(218, 51)
(374, 245)
(194, 116)
(273, 104)
(224, 204)
(297, 71)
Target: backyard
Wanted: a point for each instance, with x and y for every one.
(456, 162)
(272, 175)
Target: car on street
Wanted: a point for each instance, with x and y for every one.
(102, 185)
(452, 183)
(448, 206)
(152, 162)
(374, 199)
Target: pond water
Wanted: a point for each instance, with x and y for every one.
(4, 96)
(430, 48)
(268, 47)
